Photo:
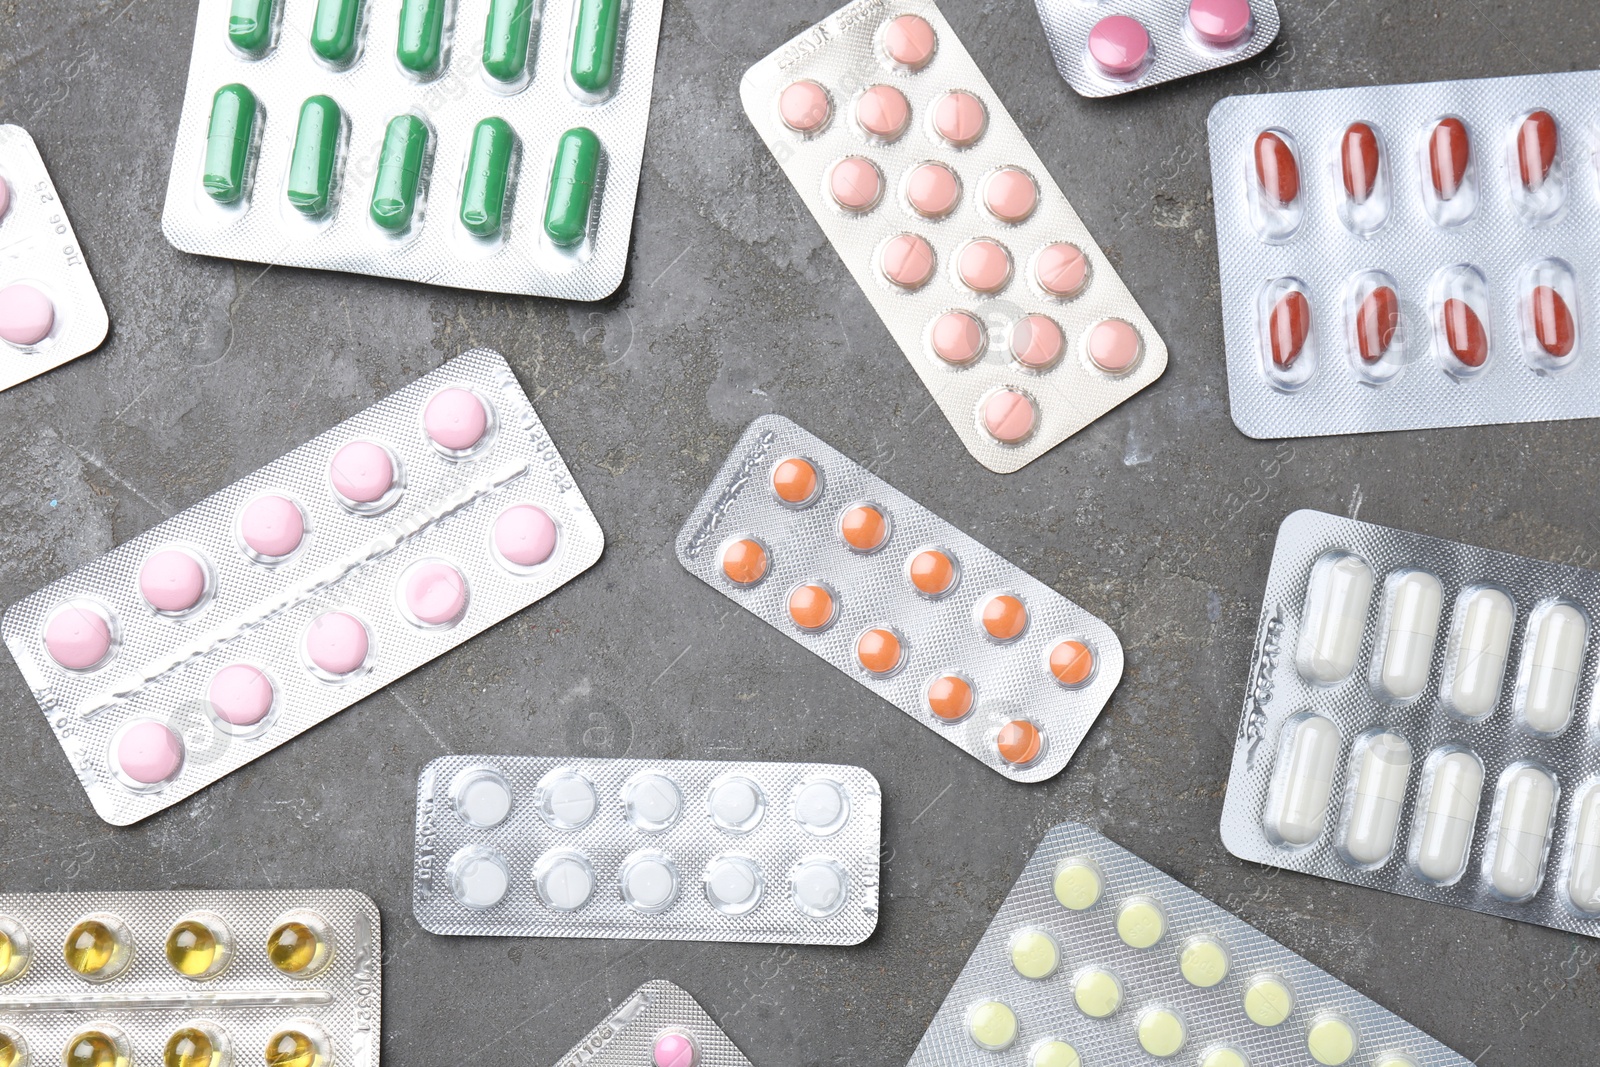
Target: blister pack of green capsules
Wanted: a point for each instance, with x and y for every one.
(482, 144)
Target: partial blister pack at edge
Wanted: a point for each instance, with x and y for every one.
(187, 652)
(1098, 958)
(1420, 717)
(281, 976)
(482, 144)
(965, 642)
(50, 308)
(659, 1024)
(1106, 49)
(988, 280)
(689, 850)
(1399, 257)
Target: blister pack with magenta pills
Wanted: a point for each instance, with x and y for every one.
(1420, 717)
(1106, 49)
(483, 144)
(50, 309)
(1400, 257)
(190, 978)
(1099, 959)
(187, 652)
(687, 850)
(658, 1026)
(965, 642)
(986, 277)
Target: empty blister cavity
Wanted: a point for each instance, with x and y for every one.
(1458, 307)
(1533, 164)
(1296, 811)
(1334, 618)
(1272, 184)
(1547, 309)
(1362, 176)
(1519, 831)
(1285, 333)
(1583, 850)
(1375, 790)
(1447, 171)
(1553, 649)
(1475, 659)
(1413, 601)
(1375, 339)
(1447, 811)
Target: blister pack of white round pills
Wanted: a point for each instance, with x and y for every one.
(1420, 717)
(949, 221)
(290, 977)
(965, 642)
(1398, 257)
(218, 635)
(1097, 957)
(1106, 49)
(685, 850)
(50, 308)
(658, 1026)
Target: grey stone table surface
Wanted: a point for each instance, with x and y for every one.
(1159, 518)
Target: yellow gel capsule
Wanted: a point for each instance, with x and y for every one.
(1034, 954)
(6, 952)
(11, 1052)
(1056, 1054)
(1331, 1041)
(1140, 922)
(1161, 1032)
(296, 949)
(96, 950)
(1077, 885)
(15, 951)
(291, 1048)
(1224, 1057)
(194, 949)
(1268, 1001)
(1098, 993)
(1204, 962)
(992, 1025)
(191, 1047)
(94, 1048)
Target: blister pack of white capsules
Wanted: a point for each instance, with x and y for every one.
(1420, 718)
(187, 652)
(1098, 959)
(1407, 256)
(1106, 49)
(686, 850)
(659, 1026)
(965, 642)
(50, 309)
(952, 226)
(482, 144)
(291, 978)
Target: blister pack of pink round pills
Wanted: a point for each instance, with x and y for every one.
(658, 1026)
(228, 629)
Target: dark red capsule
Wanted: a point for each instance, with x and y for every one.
(1276, 169)
(1536, 149)
(1552, 321)
(1377, 319)
(1288, 327)
(1449, 151)
(1359, 155)
(1464, 333)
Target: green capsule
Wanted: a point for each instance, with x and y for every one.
(566, 212)
(316, 142)
(333, 30)
(394, 193)
(594, 44)
(483, 186)
(421, 35)
(233, 125)
(505, 39)
(250, 26)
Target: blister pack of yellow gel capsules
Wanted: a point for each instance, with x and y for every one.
(1420, 717)
(482, 144)
(190, 978)
(1098, 959)
(658, 1026)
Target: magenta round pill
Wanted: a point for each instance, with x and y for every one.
(26, 315)
(674, 1050)
(804, 106)
(77, 637)
(1061, 270)
(1009, 416)
(272, 526)
(855, 184)
(1010, 194)
(957, 337)
(883, 112)
(1119, 45)
(240, 695)
(455, 419)
(959, 118)
(362, 472)
(172, 580)
(933, 190)
(1220, 23)
(435, 593)
(908, 41)
(1036, 341)
(525, 535)
(907, 261)
(984, 265)
(149, 752)
(1114, 346)
(337, 642)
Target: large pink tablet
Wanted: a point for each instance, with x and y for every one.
(435, 593)
(1009, 416)
(240, 695)
(933, 190)
(172, 580)
(1036, 341)
(907, 261)
(908, 41)
(883, 112)
(984, 265)
(855, 184)
(1061, 270)
(1220, 23)
(1010, 194)
(337, 642)
(959, 118)
(957, 337)
(525, 535)
(78, 638)
(804, 106)
(455, 419)
(149, 752)
(1114, 346)
(5, 199)
(362, 472)
(272, 526)
(1119, 45)
(26, 315)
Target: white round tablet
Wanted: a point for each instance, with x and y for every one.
(567, 800)
(820, 806)
(481, 797)
(652, 801)
(479, 877)
(736, 804)
(649, 882)
(565, 880)
(818, 886)
(733, 884)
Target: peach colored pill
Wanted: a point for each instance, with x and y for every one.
(1036, 341)
(272, 526)
(811, 607)
(149, 752)
(525, 535)
(883, 112)
(949, 697)
(864, 528)
(1114, 346)
(1004, 617)
(744, 562)
(77, 638)
(878, 650)
(240, 695)
(362, 472)
(26, 315)
(855, 184)
(337, 642)
(1071, 662)
(436, 593)
(957, 337)
(1019, 742)
(455, 419)
(172, 581)
(795, 481)
(1119, 45)
(984, 265)
(1009, 416)
(1010, 195)
(933, 190)
(932, 572)
(804, 106)
(1061, 270)
(908, 41)
(960, 118)
(907, 261)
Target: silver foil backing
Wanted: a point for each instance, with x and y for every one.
(657, 1009)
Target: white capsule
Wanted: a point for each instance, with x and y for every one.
(1477, 659)
(1415, 600)
(1297, 805)
(1553, 669)
(1583, 876)
(1378, 791)
(1335, 615)
(1447, 817)
(1522, 832)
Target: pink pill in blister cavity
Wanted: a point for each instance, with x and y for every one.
(1036, 341)
(957, 337)
(240, 695)
(362, 472)
(149, 752)
(5, 199)
(804, 106)
(26, 315)
(1061, 270)
(77, 638)
(984, 266)
(674, 1050)
(1009, 416)
(855, 184)
(435, 593)
(908, 41)
(337, 642)
(933, 190)
(883, 112)
(959, 118)
(455, 419)
(172, 580)
(1010, 195)
(907, 261)
(525, 535)
(1220, 23)
(272, 526)
(1114, 346)
(1119, 45)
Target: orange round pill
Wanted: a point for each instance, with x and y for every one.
(1004, 617)
(950, 697)
(1071, 662)
(811, 607)
(864, 527)
(932, 572)
(879, 650)
(1019, 742)
(744, 561)
(795, 481)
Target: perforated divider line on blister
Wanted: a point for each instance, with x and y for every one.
(656, 1010)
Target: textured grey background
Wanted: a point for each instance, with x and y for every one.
(1159, 518)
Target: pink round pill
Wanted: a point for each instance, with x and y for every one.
(435, 593)
(1114, 346)
(883, 112)
(240, 695)
(77, 637)
(1061, 270)
(984, 265)
(272, 526)
(525, 535)
(362, 472)
(674, 1050)
(933, 190)
(1010, 194)
(5, 198)
(1036, 341)
(172, 580)
(1009, 416)
(855, 184)
(907, 261)
(1119, 45)
(908, 41)
(804, 106)
(959, 118)
(149, 752)
(957, 337)
(26, 315)
(1220, 23)
(337, 642)
(455, 419)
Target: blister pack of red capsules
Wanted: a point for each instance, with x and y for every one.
(1409, 256)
